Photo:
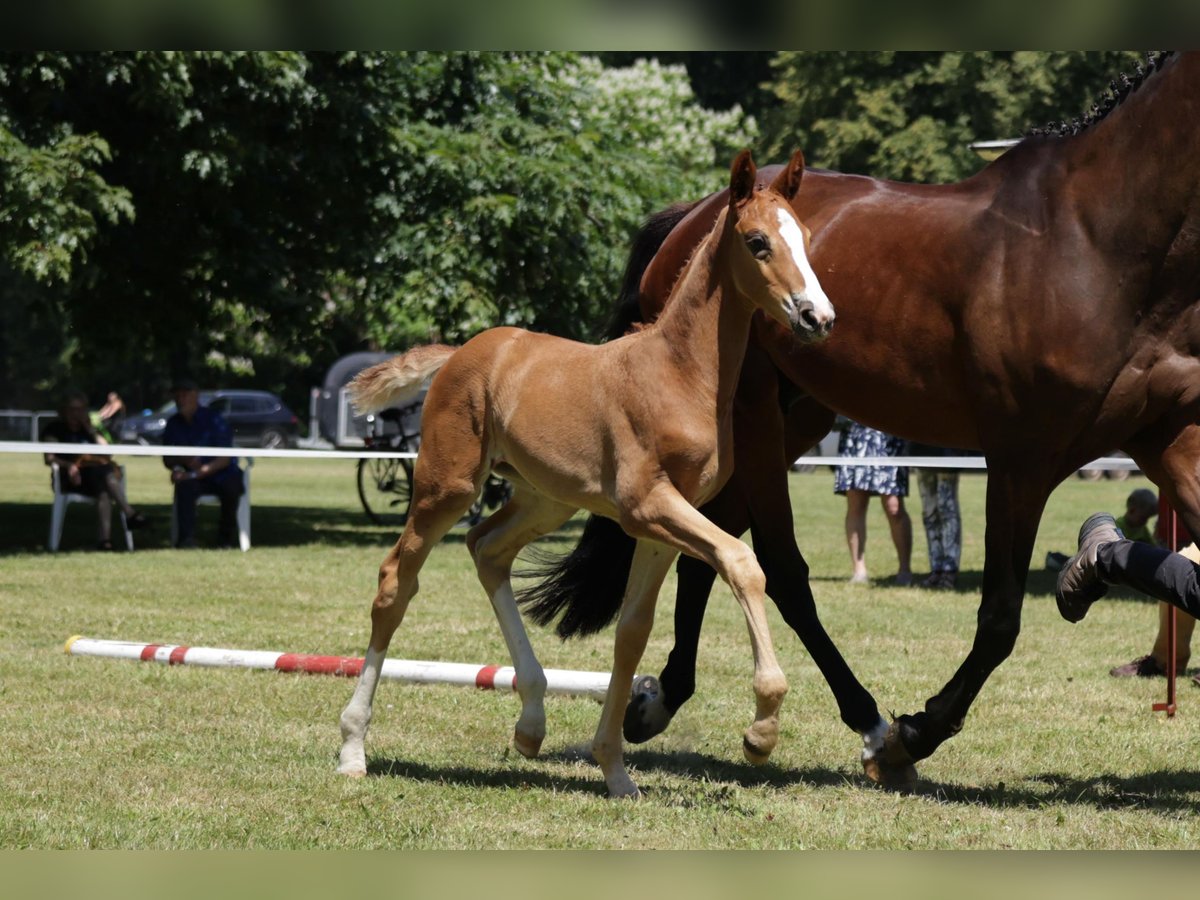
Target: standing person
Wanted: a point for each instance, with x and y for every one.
(1155, 662)
(194, 425)
(860, 483)
(942, 519)
(87, 473)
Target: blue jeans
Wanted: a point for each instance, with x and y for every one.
(228, 490)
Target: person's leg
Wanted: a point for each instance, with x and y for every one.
(1106, 558)
(1152, 570)
(901, 528)
(186, 494)
(1184, 625)
(951, 515)
(856, 532)
(114, 488)
(104, 521)
(931, 516)
(229, 492)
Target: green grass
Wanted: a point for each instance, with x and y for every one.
(103, 753)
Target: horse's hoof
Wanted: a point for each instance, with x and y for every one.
(353, 773)
(756, 754)
(527, 745)
(625, 791)
(892, 767)
(646, 716)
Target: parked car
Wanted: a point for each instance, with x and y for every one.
(258, 419)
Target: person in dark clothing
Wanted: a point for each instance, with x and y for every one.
(86, 473)
(1106, 557)
(194, 425)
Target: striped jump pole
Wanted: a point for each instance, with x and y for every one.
(413, 671)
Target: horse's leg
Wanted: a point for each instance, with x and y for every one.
(1172, 461)
(664, 516)
(651, 562)
(1016, 497)
(760, 439)
(433, 513)
(788, 585)
(655, 701)
(494, 544)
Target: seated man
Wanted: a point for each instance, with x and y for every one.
(194, 425)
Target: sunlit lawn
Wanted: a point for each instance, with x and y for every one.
(102, 753)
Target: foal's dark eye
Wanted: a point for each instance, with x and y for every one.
(758, 245)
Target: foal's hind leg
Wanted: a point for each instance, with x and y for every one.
(664, 516)
(494, 544)
(431, 516)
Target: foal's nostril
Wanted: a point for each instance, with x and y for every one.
(808, 316)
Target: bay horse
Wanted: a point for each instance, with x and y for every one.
(1044, 311)
(638, 430)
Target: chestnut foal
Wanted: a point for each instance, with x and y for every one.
(637, 430)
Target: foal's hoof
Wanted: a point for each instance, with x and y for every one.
(759, 740)
(756, 756)
(891, 767)
(646, 716)
(527, 745)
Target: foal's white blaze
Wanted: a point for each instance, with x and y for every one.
(794, 238)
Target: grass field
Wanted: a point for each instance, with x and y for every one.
(111, 754)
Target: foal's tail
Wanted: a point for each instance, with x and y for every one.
(586, 586)
(397, 381)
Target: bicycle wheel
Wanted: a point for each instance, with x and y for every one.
(385, 488)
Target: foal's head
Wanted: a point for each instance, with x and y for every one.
(769, 258)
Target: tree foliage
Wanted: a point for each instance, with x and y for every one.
(522, 178)
(912, 116)
(254, 215)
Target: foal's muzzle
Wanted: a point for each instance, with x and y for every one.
(808, 323)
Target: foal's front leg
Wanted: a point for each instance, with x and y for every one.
(651, 562)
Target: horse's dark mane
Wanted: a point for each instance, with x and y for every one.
(1118, 89)
(626, 312)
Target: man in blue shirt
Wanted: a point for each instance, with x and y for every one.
(194, 425)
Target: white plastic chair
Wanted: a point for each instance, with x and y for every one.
(64, 498)
(243, 510)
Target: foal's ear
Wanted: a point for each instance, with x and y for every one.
(788, 181)
(741, 178)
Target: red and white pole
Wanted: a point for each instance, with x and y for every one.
(413, 671)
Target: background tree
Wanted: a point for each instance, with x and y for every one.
(522, 178)
(252, 216)
(912, 116)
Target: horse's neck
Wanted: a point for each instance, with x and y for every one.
(705, 325)
(1144, 158)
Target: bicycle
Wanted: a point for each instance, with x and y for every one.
(385, 483)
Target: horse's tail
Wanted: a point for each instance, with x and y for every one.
(397, 381)
(585, 586)
(627, 311)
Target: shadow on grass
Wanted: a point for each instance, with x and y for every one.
(24, 528)
(1164, 792)
(1160, 791)
(712, 775)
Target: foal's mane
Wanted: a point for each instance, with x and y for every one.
(1118, 89)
